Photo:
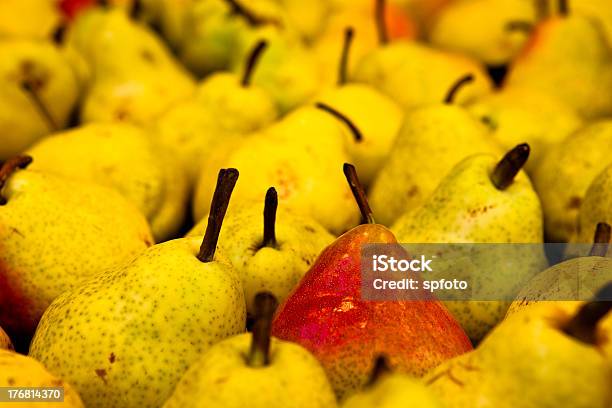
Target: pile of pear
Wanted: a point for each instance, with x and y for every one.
(186, 186)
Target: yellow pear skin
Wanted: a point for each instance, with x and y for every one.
(527, 361)
(415, 75)
(435, 138)
(17, 371)
(54, 234)
(33, 19)
(573, 164)
(158, 314)
(123, 157)
(42, 67)
(468, 208)
(221, 378)
(596, 207)
(5, 341)
(522, 115)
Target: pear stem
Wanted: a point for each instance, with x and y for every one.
(518, 25)
(601, 240)
(31, 87)
(381, 22)
(249, 16)
(226, 181)
(252, 60)
(270, 206)
(359, 193)
(136, 9)
(564, 7)
(381, 368)
(583, 326)
(452, 92)
(259, 354)
(509, 166)
(8, 168)
(346, 46)
(542, 9)
(340, 116)
(58, 35)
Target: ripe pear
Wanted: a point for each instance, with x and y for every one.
(596, 207)
(38, 93)
(479, 28)
(5, 341)
(55, 233)
(573, 164)
(123, 157)
(133, 76)
(299, 156)
(433, 138)
(17, 371)
(255, 370)
(391, 390)
(483, 201)
(33, 19)
(536, 359)
(516, 115)
(273, 252)
(215, 118)
(569, 57)
(158, 313)
(376, 116)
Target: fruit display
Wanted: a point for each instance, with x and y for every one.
(322, 204)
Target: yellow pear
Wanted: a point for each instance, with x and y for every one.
(596, 207)
(5, 341)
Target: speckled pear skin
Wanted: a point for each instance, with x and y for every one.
(54, 234)
(17, 370)
(568, 57)
(435, 138)
(5, 341)
(327, 316)
(123, 157)
(393, 391)
(221, 378)
(596, 207)
(514, 367)
(572, 164)
(467, 208)
(278, 270)
(125, 337)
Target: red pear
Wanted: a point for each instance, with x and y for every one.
(327, 315)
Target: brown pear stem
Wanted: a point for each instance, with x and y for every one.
(343, 118)
(346, 47)
(452, 92)
(542, 9)
(381, 22)
(251, 19)
(8, 168)
(136, 9)
(226, 181)
(259, 354)
(270, 206)
(359, 193)
(381, 368)
(583, 326)
(522, 26)
(509, 166)
(564, 7)
(59, 33)
(601, 240)
(252, 60)
(32, 88)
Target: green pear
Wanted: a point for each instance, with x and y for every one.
(19, 371)
(55, 233)
(299, 156)
(125, 337)
(568, 57)
(123, 157)
(596, 207)
(517, 115)
(133, 76)
(391, 390)
(533, 360)
(215, 118)
(255, 370)
(572, 164)
(433, 139)
(376, 116)
(38, 93)
(34, 19)
(273, 252)
(481, 201)
(479, 28)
